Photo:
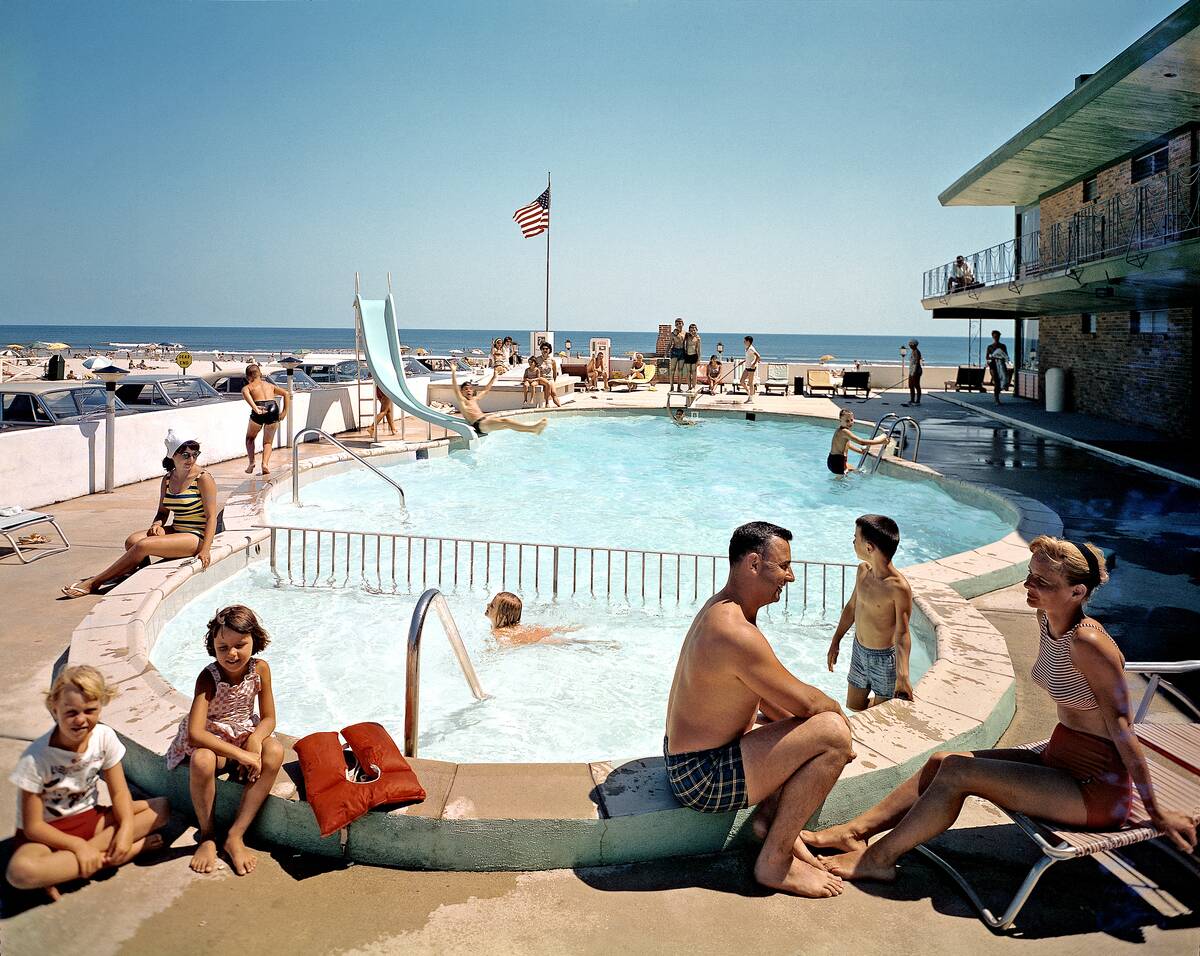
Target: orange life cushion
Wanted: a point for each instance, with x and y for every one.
(337, 801)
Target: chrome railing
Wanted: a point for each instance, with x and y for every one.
(328, 437)
(412, 675)
(1161, 210)
(396, 563)
(896, 422)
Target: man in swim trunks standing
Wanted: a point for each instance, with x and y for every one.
(468, 404)
(675, 355)
(727, 680)
(265, 414)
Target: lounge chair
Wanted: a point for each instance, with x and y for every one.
(856, 382)
(28, 519)
(970, 377)
(1174, 790)
(631, 382)
(777, 377)
(820, 380)
(1179, 742)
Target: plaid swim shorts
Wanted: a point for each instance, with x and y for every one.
(873, 669)
(711, 781)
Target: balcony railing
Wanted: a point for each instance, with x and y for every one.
(1162, 210)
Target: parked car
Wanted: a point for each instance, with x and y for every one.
(29, 404)
(145, 393)
(331, 367)
(230, 384)
(436, 368)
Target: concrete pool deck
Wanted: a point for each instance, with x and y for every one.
(692, 906)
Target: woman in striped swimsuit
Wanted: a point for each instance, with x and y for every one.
(1083, 777)
(187, 492)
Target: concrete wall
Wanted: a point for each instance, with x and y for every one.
(39, 466)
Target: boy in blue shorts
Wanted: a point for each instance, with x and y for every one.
(879, 609)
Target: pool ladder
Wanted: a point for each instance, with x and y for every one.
(904, 424)
(412, 679)
(328, 437)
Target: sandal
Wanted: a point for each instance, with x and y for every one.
(75, 591)
(34, 538)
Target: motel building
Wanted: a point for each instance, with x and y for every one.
(1101, 276)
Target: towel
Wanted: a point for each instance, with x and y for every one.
(9, 510)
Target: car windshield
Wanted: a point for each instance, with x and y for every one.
(300, 381)
(180, 390)
(92, 400)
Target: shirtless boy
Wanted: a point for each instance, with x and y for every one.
(265, 414)
(727, 680)
(468, 404)
(750, 369)
(842, 439)
(879, 608)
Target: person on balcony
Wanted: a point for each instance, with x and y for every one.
(962, 276)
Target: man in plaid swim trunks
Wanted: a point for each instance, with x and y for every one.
(743, 730)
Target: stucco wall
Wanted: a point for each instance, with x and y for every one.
(39, 466)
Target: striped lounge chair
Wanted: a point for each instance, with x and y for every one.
(1181, 791)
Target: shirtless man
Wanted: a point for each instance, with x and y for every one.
(468, 404)
(879, 608)
(718, 760)
(750, 370)
(265, 414)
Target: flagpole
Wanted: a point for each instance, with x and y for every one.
(548, 258)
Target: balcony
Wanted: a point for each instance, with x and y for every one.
(1124, 231)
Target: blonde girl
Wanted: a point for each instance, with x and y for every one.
(504, 611)
(223, 730)
(63, 831)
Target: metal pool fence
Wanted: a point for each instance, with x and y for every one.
(400, 564)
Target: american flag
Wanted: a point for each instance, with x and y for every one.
(534, 219)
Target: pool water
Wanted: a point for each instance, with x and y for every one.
(639, 481)
(338, 657)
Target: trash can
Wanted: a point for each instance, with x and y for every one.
(56, 370)
(1056, 389)
(798, 385)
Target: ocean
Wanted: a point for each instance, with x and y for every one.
(937, 350)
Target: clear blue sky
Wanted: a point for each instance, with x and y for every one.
(773, 167)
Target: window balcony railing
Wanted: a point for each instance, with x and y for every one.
(1154, 213)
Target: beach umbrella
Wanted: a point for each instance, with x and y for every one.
(15, 348)
(826, 358)
(56, 346)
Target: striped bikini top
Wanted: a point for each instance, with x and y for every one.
(1054, 672)
(187, 506)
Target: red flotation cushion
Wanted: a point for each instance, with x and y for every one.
(337, 801)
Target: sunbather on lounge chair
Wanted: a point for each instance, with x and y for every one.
(468, 404)
(1084, 776)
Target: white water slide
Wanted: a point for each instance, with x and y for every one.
(377, 321)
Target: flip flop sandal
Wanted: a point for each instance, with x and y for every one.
(34, 538)
(75, 591)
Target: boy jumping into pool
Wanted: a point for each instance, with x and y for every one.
(842, 439)
(879, 608)
(468, 404)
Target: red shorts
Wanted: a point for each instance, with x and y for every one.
(82, 825)
(1096, 763)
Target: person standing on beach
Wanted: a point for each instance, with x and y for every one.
(997, 362)
(265, 414)
(751, 369)
(915, 367)
(675, 356)
(691, 355)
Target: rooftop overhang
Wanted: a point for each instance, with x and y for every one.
(1149, 89)
(1164, 278)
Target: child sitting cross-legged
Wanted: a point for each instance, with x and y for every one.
(222, 728)
(63, 833)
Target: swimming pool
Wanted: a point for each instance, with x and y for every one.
(339, 657)
(639, 481)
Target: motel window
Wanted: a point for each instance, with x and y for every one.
(1148, 164)
(1089, 189)
(1029, 344)
(1088, 326)
(1148, 322)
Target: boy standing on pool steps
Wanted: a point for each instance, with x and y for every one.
(879, 609)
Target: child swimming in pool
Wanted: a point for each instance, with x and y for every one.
(222, 730)
(843, 438)
(504, 611)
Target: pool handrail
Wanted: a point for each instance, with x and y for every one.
(299, 436)
(412, 674)
(875, 431)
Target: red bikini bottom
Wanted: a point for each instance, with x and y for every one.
(1096, 763)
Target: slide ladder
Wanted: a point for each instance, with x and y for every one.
(376, 320)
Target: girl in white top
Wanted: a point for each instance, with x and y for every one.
(751, 368)
(63, 833)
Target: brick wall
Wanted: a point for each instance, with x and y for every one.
(1139, 379)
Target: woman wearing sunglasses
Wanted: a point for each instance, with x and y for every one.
(188, 495)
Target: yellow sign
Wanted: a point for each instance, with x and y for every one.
(183, 359)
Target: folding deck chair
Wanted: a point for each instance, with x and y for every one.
(29, 519)
(1178, 791)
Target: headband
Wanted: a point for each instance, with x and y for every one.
(1092, 563)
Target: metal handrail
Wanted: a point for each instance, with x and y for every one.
(875, 432)
(903, 424)
(412, 677)
(324, 434)
(383, 562)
